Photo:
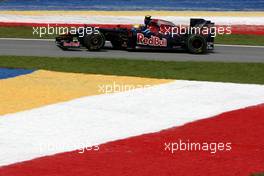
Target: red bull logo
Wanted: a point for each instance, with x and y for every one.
(71, 44)
(152, 41)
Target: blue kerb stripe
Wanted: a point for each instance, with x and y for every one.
(6, 73)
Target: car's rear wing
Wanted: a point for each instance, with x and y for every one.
(200, 22)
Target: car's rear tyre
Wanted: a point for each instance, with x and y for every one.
(94, 41)
(196, 44)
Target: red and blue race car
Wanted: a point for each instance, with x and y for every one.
(156, 34)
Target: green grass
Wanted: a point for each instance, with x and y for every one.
(240, 39)
(260, 174)
(206, 71)
(27, 32)
(21, 32)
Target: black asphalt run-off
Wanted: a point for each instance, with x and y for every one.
(18, 47)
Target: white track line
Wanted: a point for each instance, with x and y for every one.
(111, 19)
(26, 39)
(240, 46)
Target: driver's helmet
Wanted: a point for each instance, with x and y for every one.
(147, 20)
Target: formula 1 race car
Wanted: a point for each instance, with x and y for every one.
(155, 33)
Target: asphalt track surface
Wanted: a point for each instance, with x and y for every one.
(224, 53)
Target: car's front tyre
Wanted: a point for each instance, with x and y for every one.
(94, 41)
